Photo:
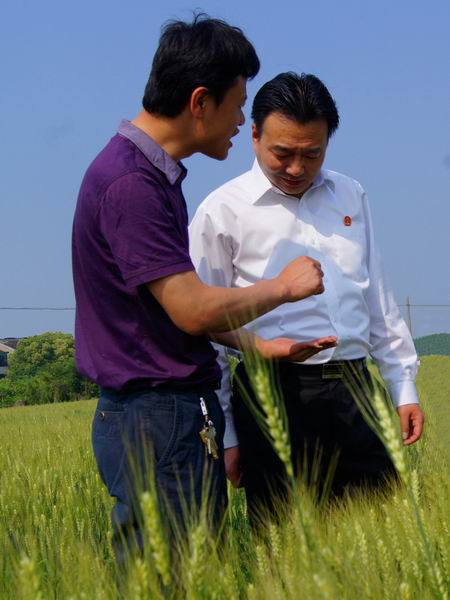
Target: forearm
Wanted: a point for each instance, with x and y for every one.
(197, 308)
(221, 310)
(239, 339)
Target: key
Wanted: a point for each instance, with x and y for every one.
(208, 437)
(211, 430)
(204, 437)
(211, 436)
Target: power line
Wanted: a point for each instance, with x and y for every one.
(421, 305)
(36, 308)
(73, 308)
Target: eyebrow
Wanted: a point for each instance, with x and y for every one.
(282, 148)
(288, 149)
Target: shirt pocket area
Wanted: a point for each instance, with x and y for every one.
(351, 254)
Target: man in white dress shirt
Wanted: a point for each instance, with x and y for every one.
(286, 206)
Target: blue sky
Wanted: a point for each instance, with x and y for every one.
(71, 71)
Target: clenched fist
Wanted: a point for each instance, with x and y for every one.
(301, 278)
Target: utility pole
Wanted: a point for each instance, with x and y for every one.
(408, 315)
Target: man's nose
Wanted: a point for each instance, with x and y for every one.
(296, 168)
(242, 119)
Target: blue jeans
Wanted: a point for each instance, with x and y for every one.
(156, 433)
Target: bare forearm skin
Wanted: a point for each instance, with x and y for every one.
(239, 339)
(197, 308)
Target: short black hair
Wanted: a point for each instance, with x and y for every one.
(303, 98)
(205, 52)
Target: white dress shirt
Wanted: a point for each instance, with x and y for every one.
(248, 230)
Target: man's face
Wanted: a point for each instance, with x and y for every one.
(290, 154)
(221, 122)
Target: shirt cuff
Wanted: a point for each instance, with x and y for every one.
(403, 392)
(230, 438)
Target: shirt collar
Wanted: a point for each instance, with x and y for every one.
(153, 152)
(261, 184)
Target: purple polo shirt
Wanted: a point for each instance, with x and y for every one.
(130, 228)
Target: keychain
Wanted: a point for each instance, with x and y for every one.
(208, 433)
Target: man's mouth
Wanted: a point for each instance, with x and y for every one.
(293, 181)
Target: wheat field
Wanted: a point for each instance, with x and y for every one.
(55, 532)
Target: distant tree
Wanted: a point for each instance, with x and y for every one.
(42, 370)
(36, 353)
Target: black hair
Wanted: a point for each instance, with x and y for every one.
(206, 52)
(303, 98)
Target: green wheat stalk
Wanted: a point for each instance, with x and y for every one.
(378, 411)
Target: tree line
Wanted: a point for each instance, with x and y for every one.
(42, 370)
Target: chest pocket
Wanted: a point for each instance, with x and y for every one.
(350, 252)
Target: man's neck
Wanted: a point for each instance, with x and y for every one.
(173, 135)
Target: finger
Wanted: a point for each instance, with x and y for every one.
(296, 346)
(416, 429)
(326, 340)
(302, 356)
(315, 346)
(304, 351)
(404, 425)
(324, 345)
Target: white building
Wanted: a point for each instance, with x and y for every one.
(4, 351)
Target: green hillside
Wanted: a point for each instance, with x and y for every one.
(433, 385)
(436, 344)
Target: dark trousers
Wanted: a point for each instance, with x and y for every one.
(155, 433)
(327, 431)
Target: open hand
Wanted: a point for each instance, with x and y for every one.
(287, 349)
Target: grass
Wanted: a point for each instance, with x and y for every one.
(55, 533)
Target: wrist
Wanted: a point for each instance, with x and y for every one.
(280, 290)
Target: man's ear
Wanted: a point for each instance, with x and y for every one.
(197, 104)
(255, 135)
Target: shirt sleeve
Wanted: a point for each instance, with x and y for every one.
(392, 346)
(211, 252)
(139, 223)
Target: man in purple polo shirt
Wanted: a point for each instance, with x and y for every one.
(143, 316)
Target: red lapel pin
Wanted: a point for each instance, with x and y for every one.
(347, 221)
